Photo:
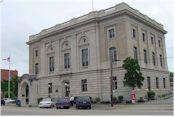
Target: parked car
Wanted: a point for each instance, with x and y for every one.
(2, 102)
(83, 102)
(46, 103)
(63, 103)
(9, 100)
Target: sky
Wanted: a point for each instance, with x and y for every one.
(21, 18)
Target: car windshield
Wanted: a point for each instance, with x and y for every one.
(46, 99)
(83, 98)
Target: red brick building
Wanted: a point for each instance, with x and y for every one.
(5, 74)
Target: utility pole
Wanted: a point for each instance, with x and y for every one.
(111, 79)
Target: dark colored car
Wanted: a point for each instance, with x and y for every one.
(63, 103)
(83, 102)
(2, 102)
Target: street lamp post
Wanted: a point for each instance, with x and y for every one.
(111, 80)
(111, 77)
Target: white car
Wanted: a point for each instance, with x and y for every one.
(46, 103)
(8, 100)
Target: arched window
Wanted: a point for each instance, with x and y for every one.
(84, 51)
(51, 57)
(65, 50)
(36, 68)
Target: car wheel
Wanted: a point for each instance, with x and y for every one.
(57, 107)
(89, 107)
(77, 107)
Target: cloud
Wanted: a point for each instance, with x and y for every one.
(23, 18)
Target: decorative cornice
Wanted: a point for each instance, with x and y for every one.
(97, 16)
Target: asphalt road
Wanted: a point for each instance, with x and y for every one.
(161, 107)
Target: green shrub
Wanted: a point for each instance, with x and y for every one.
(11, 94)
(120, 98)
(105, 102)
(151, 95)
(30, 105)
(97, 99)
(140, 99)
(114, 99)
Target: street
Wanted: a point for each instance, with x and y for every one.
(157, 107)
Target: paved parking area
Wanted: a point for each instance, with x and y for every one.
(157, 107)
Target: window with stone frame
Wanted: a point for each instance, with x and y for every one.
(133, 33)
(111, 33)
(135, 53)
(157, 82)
(161, 61)
(149, 83)
(66, 60)
(164, 83)
(84, 85)
(143, 37)
(153, 58)
(145, 56)
(49, 88)
(159, 42)
(113, 54)
(114, 82)
(84, 56)
(36, 53)
(36, 68)
(51, 64)
(152, 39)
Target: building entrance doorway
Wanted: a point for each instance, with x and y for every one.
(66, 88)
(25, 93)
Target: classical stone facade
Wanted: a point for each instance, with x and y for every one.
(72, 58)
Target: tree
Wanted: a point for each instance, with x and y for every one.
(133, 76)
(13, 87)
(171, 76)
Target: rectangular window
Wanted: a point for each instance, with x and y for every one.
(51, 63)
(143, 37)
(149, 83)
(152, 40)
(145, 56)
(36, 68)
(84, 85)
(159, 43)
(67, 60)
(135, 53)
(49, 88)
(84, 55)
(157, 82)
(111, 33)
(153, 57)
(113, 54)
(36, 53)
(114, 82)
(164, 83)
(133, 33)
(161, 62)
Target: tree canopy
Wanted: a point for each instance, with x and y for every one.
(133, 76)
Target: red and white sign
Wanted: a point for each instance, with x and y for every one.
(133, 96)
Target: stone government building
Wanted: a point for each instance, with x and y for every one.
(72, 58)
